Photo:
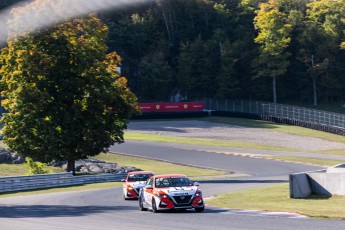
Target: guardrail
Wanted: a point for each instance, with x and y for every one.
(21, 183)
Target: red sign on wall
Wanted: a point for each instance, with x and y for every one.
(172, 106)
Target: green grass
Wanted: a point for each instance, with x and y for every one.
(3, 145)
(64, 189)
(145, 164)
(276, 198)
(158, 167)
(21, 169)
(276, 127)
(333, 152)
(241, 144)
(315, 161)
(204, 142)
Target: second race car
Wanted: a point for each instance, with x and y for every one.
(134, 182)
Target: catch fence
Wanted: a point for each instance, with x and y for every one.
(311, 116)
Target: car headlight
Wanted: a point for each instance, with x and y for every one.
(198, 193)
(161, 194)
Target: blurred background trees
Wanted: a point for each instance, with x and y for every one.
(235, 49)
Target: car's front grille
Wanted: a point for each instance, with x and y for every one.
(182, 199)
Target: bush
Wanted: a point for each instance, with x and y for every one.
(35, 167)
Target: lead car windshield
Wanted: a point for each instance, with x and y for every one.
(173, 182)
(139, 177)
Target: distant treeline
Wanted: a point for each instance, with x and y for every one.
(233, 49)
(275, 50)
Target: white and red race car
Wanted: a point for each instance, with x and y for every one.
(134, 182)
(170, 191)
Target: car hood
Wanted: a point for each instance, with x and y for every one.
(180, 191)
(136, 184)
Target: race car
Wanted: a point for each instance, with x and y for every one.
(170, 191)
(134, 182)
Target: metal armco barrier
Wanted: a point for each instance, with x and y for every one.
(21, 183)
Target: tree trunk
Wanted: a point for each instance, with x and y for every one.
(166, 25)
(314, 91)
(274, 90)
(71, 166)
(314, 81)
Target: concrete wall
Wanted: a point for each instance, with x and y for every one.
(327, 183)
(299, 185)
(323, 182)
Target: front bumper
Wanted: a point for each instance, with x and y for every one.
(132, 193)
(166, 203)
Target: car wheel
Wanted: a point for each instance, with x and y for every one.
(124, 197)
(141, 205)
(154, 206)
(201, 209)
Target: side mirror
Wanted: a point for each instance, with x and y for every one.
(148, 187)
(123, 180)
(196, 184)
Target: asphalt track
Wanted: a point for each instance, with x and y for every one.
(105, 209)
(206, 157)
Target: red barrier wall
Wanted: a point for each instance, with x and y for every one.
(172, 106)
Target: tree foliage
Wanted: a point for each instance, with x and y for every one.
(219, 48)
(35, 167)
(64, 96)
(273, 38)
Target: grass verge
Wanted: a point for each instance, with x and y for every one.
(204, 142)
(64, 189)
(145, 164)
(276, 198)
(315, 161)
(276, 127)
(340, 152)
(158, 167)
(21, 169)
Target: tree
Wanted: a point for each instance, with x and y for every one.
(273, 38)
(196, 73)
(227, 80)
(130, 36)
(319, 41)
(65, 99)
(155, 78)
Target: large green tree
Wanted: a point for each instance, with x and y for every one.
(273, 38)
(64, 96)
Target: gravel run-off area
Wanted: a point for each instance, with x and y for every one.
(211, 130)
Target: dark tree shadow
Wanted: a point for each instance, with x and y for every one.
(45, 211)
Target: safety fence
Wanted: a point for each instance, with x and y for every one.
(43, 181)
(294, 115)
